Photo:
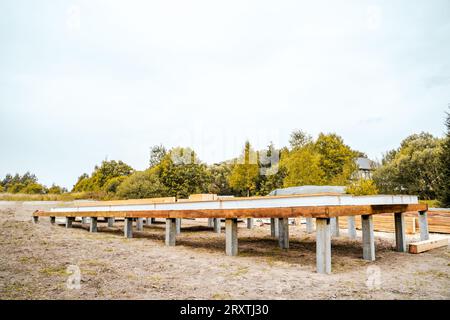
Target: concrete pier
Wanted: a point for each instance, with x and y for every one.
(217, 225)
(283, 238)
(323, 245)
(35, 219)
(140, 224)
(231, 239)
(93, 225)
(249, 223)
(368, 238)
(69, 221)
(211, 222)
(178, 225)
(150, 221)
(351, 227)
(111, 222)
(274, 229)
(400, 236)
(128, 228)
(334, 227)
(171, 231)
(83, 220)
(423, 226)
(309, 225)
(52, 220)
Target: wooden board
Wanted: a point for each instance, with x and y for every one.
(422, 246)
(126, 202)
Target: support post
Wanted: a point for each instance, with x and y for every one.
(283, 236)
(323, 246)
(69, 221)
(217, 225)
(351, 227)
(400, 237)
(249, 223)
(335, 226)
(35, 219)
(83, 220)
(52, 220)
(368, 238)
(231, 240)
(211, 222)
(423, 226)
(309, 225)
(178, 225)
(274, 229)
(150, 221)
(171, 231)
(128, 228)
(93, 225)
(111, 222)
(139, 224)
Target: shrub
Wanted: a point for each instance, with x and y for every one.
(362, 187)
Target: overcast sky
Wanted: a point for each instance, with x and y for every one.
(81, 81)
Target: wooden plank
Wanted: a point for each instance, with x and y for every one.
(126, 202)
(283, 212)
(422, 246)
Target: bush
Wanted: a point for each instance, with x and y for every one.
(34, 188)
(362, 187)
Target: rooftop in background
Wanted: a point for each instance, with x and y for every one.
(308, 190)
(365, 164)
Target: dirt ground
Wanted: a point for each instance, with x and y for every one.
(36, 262)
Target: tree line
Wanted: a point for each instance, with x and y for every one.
(420, 165)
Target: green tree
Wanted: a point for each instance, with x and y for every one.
(245, 172)
(337, 160)
(271, 172)
(157, 153)
(142, 184)
(182, 173)
(299, 138)
(55, 189)
(414, 168)
(303, 167)
(362, 187)
(34, 188)
(218, 179)
(444, 160)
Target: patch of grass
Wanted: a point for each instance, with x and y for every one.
(432, 272)
(30, 260)
(239, 272)
(431, 203)
(15, 290)
(221, 296)
(54, 271)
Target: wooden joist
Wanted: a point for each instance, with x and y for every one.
(283, 212)
(422, 246)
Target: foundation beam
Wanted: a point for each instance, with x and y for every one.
(231, 239)
(400, 236)
(128, 228)
(351, 227)
(283, 238)
(423, 226)
(93, 225)
(323, 245)
(368, 238)
(171, 231)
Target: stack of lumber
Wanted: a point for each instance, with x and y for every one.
(383, 222)
(422, 246)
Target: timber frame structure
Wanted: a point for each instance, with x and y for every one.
(324, 208)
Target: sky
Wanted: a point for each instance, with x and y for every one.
(85, 81)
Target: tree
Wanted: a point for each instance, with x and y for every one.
(142, 184)
(362, 187)
(182, 173)
(271, 173)
(157, 153)
(245, 172)
(414, 168)
(444, 160)
(54, 189)
(299, 138)
(218, 178)
(303, 167)
(337, 160)
(34, 188)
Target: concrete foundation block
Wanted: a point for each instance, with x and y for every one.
(211, 222)
(217, 224)
(400, 235)
(69, 221)
(334, 227)
(423, 226)
(140, 224)
(309, 225)
(35, 219)
(274, 228)
(368, 238)
(93, 225)
(178, 225)
(283, 235)
(128, 228)
(249, 223)
(323, 245)
(171, 231)
(231, 239)
(351, 227)
(111, 222)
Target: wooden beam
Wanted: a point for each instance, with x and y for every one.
(422, 246)
(283, 212)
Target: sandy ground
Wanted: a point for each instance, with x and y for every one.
(35, 263)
